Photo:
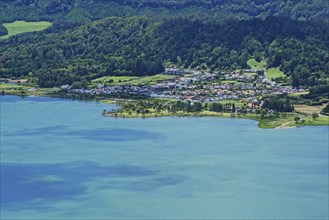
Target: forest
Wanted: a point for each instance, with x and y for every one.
(88, 10)
(141, 37)
(142, 45)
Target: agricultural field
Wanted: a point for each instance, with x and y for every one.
(9, 86)
(151, 80)
(15, 89)
(306, 109)
(19, 27)
(114, 79)
(256, 65)
(273, 73)
(133, 80)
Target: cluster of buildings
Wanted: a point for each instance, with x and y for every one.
(199, 86)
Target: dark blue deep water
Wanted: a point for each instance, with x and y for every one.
(61, 159)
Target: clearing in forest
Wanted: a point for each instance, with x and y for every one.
(19, 27)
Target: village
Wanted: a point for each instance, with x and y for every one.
(198, 86)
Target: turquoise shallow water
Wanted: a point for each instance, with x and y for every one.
(61, 159)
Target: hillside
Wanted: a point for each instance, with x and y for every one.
(84, 11)
(139, 46)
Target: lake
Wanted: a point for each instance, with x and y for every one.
(61, 159)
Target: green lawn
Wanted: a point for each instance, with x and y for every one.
(256, 65)
(19, 27)
(273, 73)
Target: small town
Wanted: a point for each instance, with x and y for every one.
(198, 86)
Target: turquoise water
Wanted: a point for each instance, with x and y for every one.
(61, 159)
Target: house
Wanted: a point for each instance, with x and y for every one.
(18, 81)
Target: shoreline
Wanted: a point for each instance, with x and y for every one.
(276, 123)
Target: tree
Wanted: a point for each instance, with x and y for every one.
(315, 115)
(297, 119)
(233, 108)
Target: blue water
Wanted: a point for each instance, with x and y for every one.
(61, 159)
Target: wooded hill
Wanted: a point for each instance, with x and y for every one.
(141, 45)
(141, 36)
(81, 11)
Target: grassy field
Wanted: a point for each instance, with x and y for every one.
(306, 109)
(19, 27)
(151, 80)
(273, 73)
(256, 65)
(133, 80)
(296, 94)
(116, 79)
(322, 120)
(9, 86)
(231, 81)
(14, 89)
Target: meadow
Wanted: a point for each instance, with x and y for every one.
(256, 65)
(133, 80)
(273, 73)
(19, 27)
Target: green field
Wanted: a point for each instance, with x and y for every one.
(151, 80)
(116, 79)
(14, 89)
(231, 81)
(19, 27)
(273, 73)
(322, 120)
(9, 86)
(133, 80)
(256, 65)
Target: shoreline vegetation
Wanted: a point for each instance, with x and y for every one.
(302, 116)
(285, 120)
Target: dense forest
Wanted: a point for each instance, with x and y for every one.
(142, 36)
(141, 45)
(86, 10)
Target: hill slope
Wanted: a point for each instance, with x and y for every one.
(86, 10)
(141, 45)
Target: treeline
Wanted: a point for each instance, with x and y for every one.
(271, 110)
(3, 30)
(81, 75)
(141, 45)
(145, 107)
(276, 104)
